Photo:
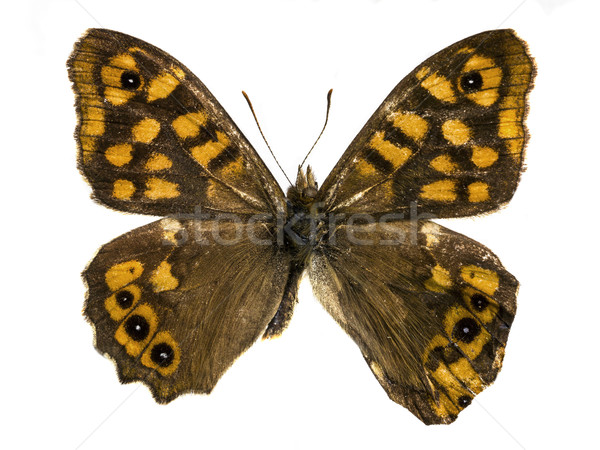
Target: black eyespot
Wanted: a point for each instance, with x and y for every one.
(124, 299)
(466, 330)
(479, 302)
(464, 401)
(162, 354)
(471, 82)
(137, 327)
(130, 81)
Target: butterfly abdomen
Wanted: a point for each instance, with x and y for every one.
(303, 228)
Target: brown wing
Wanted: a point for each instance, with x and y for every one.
(430, 310)
(449, 137)
(153, 140)
(174, 303)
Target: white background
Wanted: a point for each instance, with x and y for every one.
(310, 388)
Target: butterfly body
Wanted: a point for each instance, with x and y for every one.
(176, 302)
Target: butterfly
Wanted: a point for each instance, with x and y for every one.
(175, 302)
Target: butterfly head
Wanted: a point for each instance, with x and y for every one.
(305, 190)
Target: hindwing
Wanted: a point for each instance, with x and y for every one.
(429, 308)
(175, 302)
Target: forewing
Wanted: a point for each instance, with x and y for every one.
(153, 140)
(429, 308)
(174, 303)
(449, 137)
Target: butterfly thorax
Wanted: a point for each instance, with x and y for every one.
(303, 229)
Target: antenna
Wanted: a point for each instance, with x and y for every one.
(324, 125)
(263, 136)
